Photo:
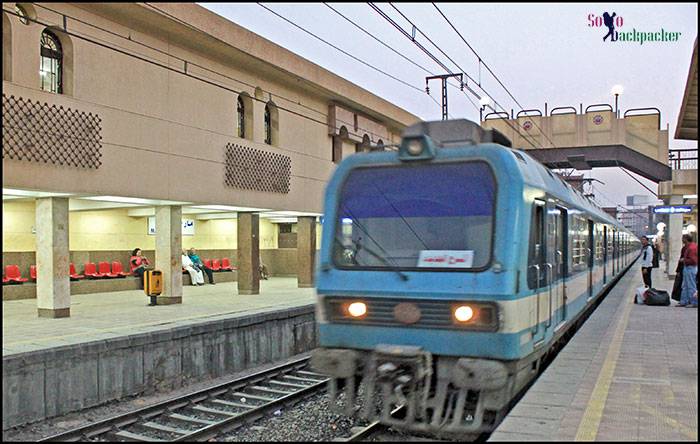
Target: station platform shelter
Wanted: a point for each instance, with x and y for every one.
(629, 374)
(165, 127)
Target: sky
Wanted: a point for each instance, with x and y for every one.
(544, 52)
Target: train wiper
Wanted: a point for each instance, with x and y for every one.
(391, 266)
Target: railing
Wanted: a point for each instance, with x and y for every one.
(683, 159)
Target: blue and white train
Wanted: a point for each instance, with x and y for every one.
(448, 270)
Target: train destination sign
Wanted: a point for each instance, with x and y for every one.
(673, 209)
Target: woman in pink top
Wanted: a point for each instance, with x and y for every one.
(138, 264)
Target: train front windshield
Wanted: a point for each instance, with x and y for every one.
(437, 216)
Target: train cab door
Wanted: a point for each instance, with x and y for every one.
(590, 251)
(557, 263)
(607, 260)
(539, 271)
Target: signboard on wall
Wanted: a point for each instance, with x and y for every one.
(187, 226)
(673, 209)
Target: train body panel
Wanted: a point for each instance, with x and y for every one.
(537, 255)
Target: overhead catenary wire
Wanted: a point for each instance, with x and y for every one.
(442, 65)
(405, 33)
(481, 61)
(388, 47)
(204, 80)
(134, 54)
(252, 86)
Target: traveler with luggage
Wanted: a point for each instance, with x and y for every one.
(138, 264)
(689, 290)
(647, 261)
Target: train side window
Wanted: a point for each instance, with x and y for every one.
(579, 244)
(537, 254)
(599, 236)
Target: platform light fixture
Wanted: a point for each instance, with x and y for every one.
(484, 102)
(617, 91)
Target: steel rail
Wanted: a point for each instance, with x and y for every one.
(373, 427)
(207, 429)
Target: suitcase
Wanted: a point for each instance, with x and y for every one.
(153, 282)
(657, 297)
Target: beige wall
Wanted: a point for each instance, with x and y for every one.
(109, 230)
(164, 133)
(17, 222)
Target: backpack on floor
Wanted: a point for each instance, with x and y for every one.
(657, 297)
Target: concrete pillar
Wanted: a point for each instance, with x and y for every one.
(248, 253)
(169, 253)
(52, 258)
(306, 251)
(674, 233)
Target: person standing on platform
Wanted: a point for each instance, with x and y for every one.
(192, 253)
(689, 292)
(647, 261)
(138, 264)
(195, 274)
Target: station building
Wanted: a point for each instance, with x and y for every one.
(165, 127)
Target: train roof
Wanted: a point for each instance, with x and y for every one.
(460, 132)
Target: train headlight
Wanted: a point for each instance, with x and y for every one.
(463, 313)
(414, 147)
(417, 147)
(357, 309)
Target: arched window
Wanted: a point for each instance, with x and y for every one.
(51, 65)
(268, 125)
(241, 118)
(22, 14)
(271, 124)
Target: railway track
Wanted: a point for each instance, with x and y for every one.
(203, 415)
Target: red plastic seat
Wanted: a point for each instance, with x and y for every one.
(215, 265)
(12, 274)
(207, 263)
(32, 272)
(73, 273)
(118, 270)
(103, 267)
(91, 271)
(226, 264)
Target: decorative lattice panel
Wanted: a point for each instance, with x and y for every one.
(252, 169)
(39, 132)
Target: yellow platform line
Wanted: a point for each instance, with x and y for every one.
(590, 422)
(687, 431)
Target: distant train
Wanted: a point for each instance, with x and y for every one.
(448, 270)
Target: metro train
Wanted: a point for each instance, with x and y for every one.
(448, 269)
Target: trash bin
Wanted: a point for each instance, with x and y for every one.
(153, 284)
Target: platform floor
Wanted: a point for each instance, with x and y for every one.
(629, 374)
(102, 316)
